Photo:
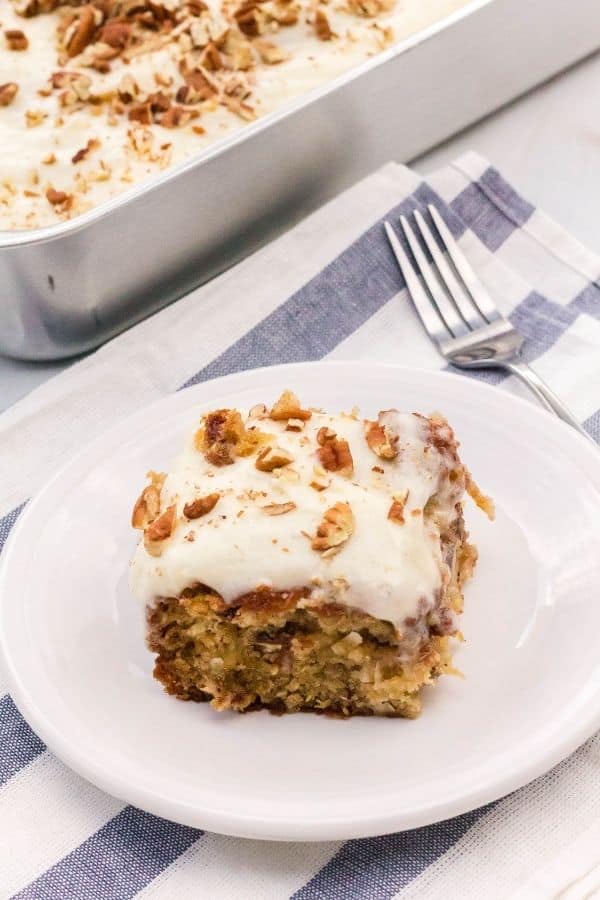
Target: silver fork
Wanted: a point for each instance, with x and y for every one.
(458, 313)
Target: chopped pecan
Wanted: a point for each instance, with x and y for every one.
(243, 110)
(202, 86)
(258, 411)
(201, 506)
(336, 527)
(288, 407)
(283, 12)
(211, 58)
(238, 49)
(278, 509)
(370, 8)
(272, 458)
(176, 116)
(322, 27)
(270, 53)
(334, 453)
(250, 20)
(8, 92)
(92, 144)
(34, 117)
(147, 506)
(295, 425)
(140, 112)
(59, 198)
(81, 33)
(319, 479)
(381, 440)
(128, 89)
(116, 34)
(396, 510)
(16, 39)
(159, 530)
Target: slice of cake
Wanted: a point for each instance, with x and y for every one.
(296, 560)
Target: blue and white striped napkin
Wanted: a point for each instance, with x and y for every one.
(328, 288)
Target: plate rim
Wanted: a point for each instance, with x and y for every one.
(263, 826)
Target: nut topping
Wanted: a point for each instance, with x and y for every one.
(335, 529)
(272, 458)
(147, 506)
(278, 509)
(381, 440)
(334, 453)
(288, 407)
(159, 530)
(201, 506)
(322, 27)
(8, 92)
(16, 39)
(396, 510)
(82, 32)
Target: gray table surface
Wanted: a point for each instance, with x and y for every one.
(546, 143)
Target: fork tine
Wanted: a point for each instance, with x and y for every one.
(479, 294)
(432, 323)
(444, 305)
(470, 314)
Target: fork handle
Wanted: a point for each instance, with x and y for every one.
(546, 397)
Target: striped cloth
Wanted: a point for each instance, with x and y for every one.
(328, 288)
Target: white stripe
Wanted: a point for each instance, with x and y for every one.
(45, 812)
(536, 264)
(397, 333)
(223, 868)
(572, 875)
(155, 357)
(572, 366)
(521, 836)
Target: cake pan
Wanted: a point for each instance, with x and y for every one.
(67, 288)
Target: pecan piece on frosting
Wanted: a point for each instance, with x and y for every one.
(272, 458)
(16, 39)
(147, 505)
(288, 407)
(8, 92)
(322, 26)
(201, 506)
(278, 509)
(81, 33)
(335, 528)
(396, 510)
(381, 440)
(159, 530)
(334, 453)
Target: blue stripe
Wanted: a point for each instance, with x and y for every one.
(116, 862)
(376, 868)
(492, 209)
(7, 522)
(328, 308)
(20, 745)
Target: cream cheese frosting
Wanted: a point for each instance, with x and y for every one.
(38, 138)
(388, 569)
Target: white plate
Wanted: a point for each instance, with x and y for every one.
(72, 637)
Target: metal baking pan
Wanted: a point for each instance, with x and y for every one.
(69, 287)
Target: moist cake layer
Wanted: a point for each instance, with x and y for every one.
(97, 97)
